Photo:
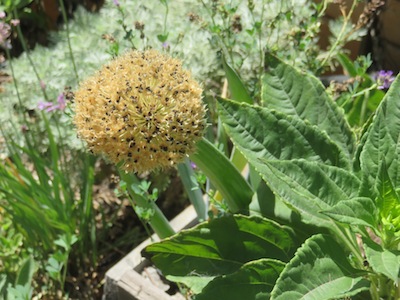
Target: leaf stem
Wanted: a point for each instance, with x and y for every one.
(340, 38)
(348, 238)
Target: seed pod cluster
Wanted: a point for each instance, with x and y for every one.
(141, 109)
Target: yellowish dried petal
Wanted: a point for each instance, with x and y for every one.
(141, 109)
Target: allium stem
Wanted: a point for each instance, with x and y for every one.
(26, 50)
(157, 221)
(64, 14)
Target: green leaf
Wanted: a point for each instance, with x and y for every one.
(309, 187)
(162, 37)
(383, 140)
(25, 273)
(300, 94)
(195, 283)
(192, 189)
(347, 64)
(223, 175)
(388, 199)
(221, 246)
(236, 87)
(259, 132)
(383, 261)
(254, 280)
(318, 271)
(357, 211)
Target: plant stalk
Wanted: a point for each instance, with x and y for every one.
(157, 221)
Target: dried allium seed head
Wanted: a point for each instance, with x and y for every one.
(141, 109)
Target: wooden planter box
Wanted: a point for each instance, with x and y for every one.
(132, 279)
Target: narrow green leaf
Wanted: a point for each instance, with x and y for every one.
(224, 176)
(309, 187)
(357, 211)
(383, 261)
(347, 64)
(236, 87)
(25, 273)
(300, 94)
(221, 246)
(259, 132)
(192, 189)
(318, 271)
(254, 280)
(382, 142)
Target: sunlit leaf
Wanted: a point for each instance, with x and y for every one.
(300, 94)
(221, 246)
(319, 271)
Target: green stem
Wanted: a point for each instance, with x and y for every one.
(157, 221)
(340, 37)
(349, 240)
(26, 50)
(166, 16)
(64, 14)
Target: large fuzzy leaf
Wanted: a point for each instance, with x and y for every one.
(383, 261)
(261, 133)
(221, 246)
(300, 94)
(357, 211)
(387, 198)
(382, 142)
(254, 280)
(309, 187)
(318, 271)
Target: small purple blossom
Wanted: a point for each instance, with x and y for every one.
(2, 14)
(24, 128)
(61, 103)
(165, 45)
(14, 22)
(42, 85)
(5, 31)
(50, 106)
(116, 2)
(193, 165)
(384, 79)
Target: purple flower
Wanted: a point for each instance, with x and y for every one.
(5, 31)
(116, 2)
(14, 22)
(61, 103)
(384, 79)
(42, 85)
(50, 106)
(193, 165)
(44, 105)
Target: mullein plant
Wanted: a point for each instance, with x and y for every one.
(323, 222)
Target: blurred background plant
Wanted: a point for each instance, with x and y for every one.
(45, 171)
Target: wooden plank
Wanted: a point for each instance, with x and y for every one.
(122, 283)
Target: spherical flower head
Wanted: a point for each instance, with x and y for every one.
(142, 110)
